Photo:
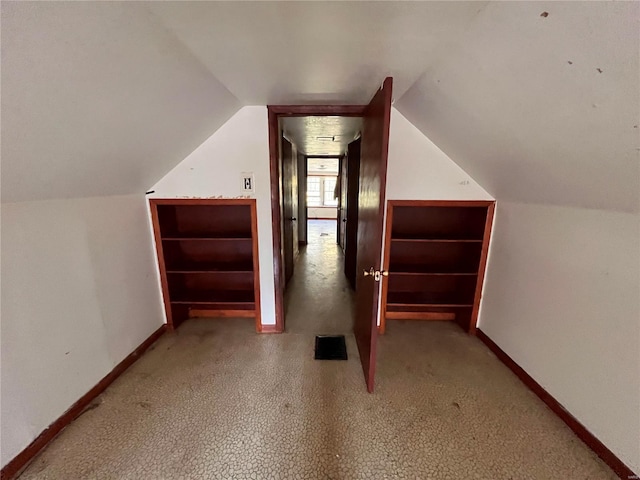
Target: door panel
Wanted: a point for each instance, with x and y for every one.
(342, 204)
(373, 174)
(295, 213)
(287, 210)
(351, 233)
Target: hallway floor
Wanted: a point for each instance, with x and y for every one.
(318, 299)
(215, 400)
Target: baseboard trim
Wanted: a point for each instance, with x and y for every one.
(270, 329)
(15, 466)
(580, 430)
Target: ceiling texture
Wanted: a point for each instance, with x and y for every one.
(104, 98)
(321, 135)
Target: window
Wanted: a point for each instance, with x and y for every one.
(320, 191)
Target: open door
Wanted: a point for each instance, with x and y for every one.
(342, 203)
(351, 237)
(373, 177)
(289, 207)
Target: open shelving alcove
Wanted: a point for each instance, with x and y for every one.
(208, 258)
(435, 256)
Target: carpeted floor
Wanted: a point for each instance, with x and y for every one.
(216, 400)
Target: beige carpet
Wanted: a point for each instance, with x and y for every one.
(217, 400)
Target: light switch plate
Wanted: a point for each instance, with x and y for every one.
(247, 182)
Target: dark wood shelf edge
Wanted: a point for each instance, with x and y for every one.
(434, 316)
(469, 274)
(227, 313)
(435, 240)
(270, 329)
(185, 271)
(431, 305)
(205, 239)
(204, 302)
(20, 461)
(589, 439)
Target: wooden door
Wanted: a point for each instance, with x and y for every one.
(351, 230)
(289, 218)
(373, 176)
(342, 203)
(295, 215)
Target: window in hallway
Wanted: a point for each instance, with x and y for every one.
(321, 191)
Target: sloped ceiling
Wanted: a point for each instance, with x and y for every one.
(104, 98)
(98, 98)
(310, 52)
(541, 108)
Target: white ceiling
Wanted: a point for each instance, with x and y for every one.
(520, 105)
(321, 135)
(315, 52)
(323, 166)
(103, 98)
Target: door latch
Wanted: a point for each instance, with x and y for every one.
(376, 274)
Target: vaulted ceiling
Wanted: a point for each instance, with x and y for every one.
(102, 98)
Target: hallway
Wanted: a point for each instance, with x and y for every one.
(318, 299)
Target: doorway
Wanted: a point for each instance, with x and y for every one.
(370, 219)
(318, 298)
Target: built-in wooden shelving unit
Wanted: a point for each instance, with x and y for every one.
(435, 256)
(208, 257)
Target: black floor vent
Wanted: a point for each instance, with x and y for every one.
(330, 347)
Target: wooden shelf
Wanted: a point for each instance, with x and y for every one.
(417, 269)
(211, 297)
(211, 267)
(438, 240)
(431, 299)
(208, 257)
(435, 253)
(207, 236)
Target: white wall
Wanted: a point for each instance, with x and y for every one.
(322, 212)
(419, 170)
(562, 298)
(78, 296)
(214, 170)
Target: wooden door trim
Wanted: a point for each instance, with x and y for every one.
(385, 265)
(484, 254)
(276, 221)
(317, 110)
(440, 203)
(256, 265)
(274, 112)
(164, 283)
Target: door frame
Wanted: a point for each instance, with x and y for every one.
(274, 114)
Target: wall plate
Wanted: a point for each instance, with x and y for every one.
(248, 182)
